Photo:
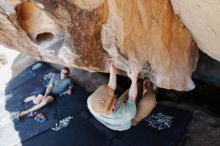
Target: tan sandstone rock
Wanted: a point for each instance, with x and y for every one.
(150, 32)
(36, 23)
(202, 18)
(88, 31)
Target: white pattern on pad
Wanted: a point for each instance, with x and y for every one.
(62, 123)
(48, 76)
(160, 121)
(36, 66)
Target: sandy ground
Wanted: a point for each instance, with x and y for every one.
(5, 70)
(5, 116)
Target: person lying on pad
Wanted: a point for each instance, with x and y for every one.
(119, 114)
(58, 85)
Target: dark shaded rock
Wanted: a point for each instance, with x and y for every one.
(208, 70)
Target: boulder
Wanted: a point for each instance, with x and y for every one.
(202, 19)
(84, 33)
(150, 32)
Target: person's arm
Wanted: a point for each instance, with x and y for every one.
(132, 74)
(70, 89)
(113, 76)
(48, 90)
(49, 86)
(133, 90)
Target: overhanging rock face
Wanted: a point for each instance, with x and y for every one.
(149, 31)
(85, 33)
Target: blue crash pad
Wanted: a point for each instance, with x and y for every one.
(28, 83)
(76, 126)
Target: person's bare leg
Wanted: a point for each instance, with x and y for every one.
(146, 87)
(29, 98)
(43, 103)
(144, 108)
(38, 99)
(146, 104)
